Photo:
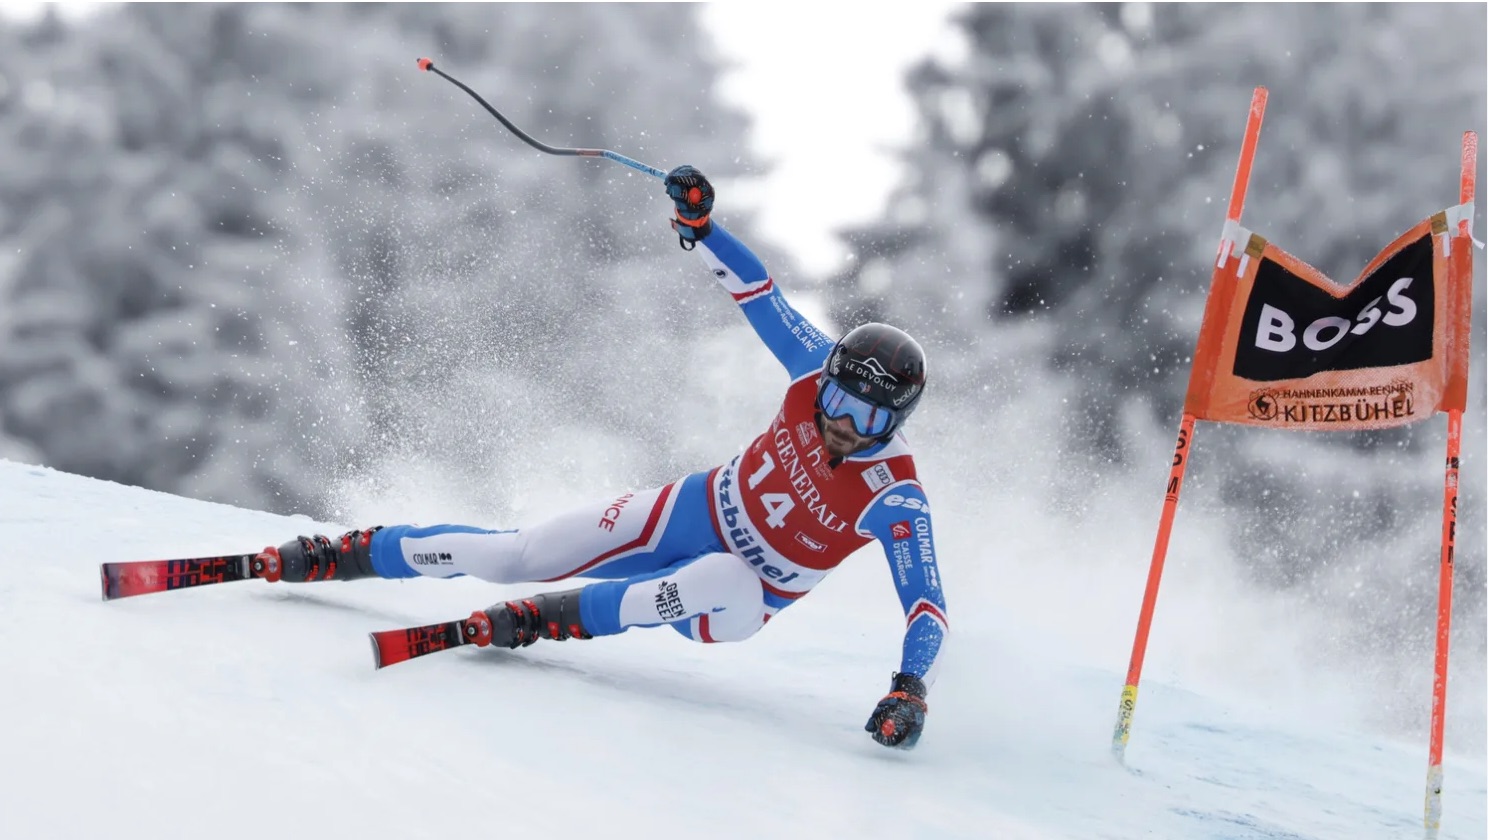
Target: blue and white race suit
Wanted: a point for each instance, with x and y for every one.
(717, 553)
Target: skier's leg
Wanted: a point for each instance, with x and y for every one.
(734, 624)
(717, 594)
(635, 533)
(716, 589)
(573, 542)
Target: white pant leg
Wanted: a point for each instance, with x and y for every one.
(718, 594)
(583, 540)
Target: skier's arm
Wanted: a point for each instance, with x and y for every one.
(795, 341)
(900, 519)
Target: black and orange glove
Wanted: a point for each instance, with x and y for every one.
(899, 717)
(690, 191)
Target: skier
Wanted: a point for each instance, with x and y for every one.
(717, 553)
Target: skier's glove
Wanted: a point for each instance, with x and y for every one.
(690, 191)
(899, 717)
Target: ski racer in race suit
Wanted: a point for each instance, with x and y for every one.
(715, 554)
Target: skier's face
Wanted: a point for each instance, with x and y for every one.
(840, 438)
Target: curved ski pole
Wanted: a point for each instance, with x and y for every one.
(428, 65)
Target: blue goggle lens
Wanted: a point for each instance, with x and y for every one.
(868, 419)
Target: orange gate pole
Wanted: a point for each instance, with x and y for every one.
(1443, 629)
(1128, 705)
(1460, 269)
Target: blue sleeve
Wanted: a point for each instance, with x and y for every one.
(795, 341)
(899, 519)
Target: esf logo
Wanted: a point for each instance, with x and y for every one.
(906, 502)
(1292, 329)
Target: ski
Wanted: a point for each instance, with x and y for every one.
(124, 580)
(389, 647)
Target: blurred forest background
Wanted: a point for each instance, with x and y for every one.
(252, 255)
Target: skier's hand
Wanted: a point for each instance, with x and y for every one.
(690, 191)
(899, 717)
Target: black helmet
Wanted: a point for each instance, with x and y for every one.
(875, 374)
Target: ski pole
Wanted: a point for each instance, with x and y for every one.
(428, 66)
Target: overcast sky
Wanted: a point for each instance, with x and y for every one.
(827, 95)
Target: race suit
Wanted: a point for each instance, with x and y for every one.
(718, 552)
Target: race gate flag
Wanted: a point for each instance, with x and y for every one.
(1284, 347)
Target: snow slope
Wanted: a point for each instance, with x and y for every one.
(253, 710)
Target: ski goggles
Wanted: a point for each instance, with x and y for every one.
(868, 419)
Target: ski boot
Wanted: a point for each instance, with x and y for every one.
(514, 624)
(306, 559)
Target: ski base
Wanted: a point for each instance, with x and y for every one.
(389, 647)
(143, 577)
